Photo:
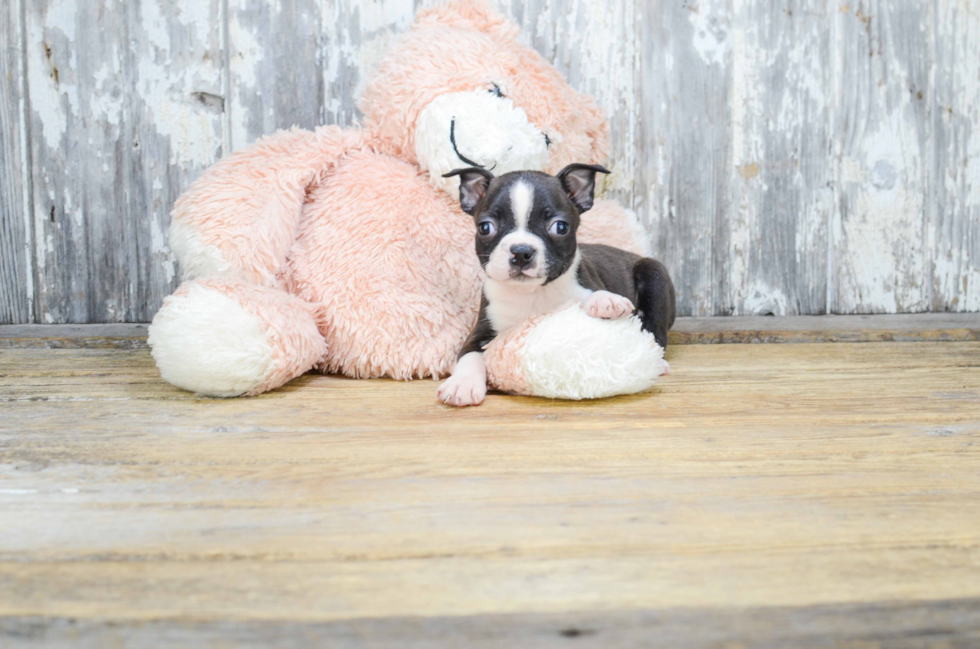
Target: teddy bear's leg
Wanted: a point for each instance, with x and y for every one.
(610, 223)
(226, 337)
(240, 218)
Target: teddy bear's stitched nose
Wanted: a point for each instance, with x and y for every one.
(522, 255)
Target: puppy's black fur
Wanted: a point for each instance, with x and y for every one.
(643, 280)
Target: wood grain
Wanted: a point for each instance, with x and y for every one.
(918, 327)
(954, 227)
(685, 174)
(85, 247)
(126, 108)
(794, 158)
(276, 78)
(175, 114)
(782, 174)
(805, 485)
(888, 625)
(883, 145)
(16, 263)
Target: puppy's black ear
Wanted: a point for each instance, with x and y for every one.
(473, 183)
(578, 181)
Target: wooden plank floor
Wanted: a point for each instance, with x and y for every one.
(761, 495)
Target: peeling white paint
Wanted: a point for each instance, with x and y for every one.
(61, 16)
(375, 16)
(955, 227)
(888, 247)
(246, 55)
(747, 154)
(160, 250)
(247, 52)
(712, 29)
(155, 26)
(167, 88)
(761, 299)
(882, 268)
(53, 94)
(104, 102)
(599, 40)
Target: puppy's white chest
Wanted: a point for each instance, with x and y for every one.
(509, 306)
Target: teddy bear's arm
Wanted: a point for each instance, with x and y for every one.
(239, 219)
(567, 354)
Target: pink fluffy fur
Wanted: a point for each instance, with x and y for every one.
(346, 224)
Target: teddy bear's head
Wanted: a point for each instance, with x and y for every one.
(459, 90)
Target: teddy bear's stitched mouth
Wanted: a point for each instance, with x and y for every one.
(452, 139)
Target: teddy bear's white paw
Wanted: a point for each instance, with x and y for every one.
(606, 305)
(205, 341)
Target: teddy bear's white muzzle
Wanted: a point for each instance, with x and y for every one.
(476, 128)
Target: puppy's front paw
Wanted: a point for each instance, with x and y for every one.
(463, 390)
(603, 304)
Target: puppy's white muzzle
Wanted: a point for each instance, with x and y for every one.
(501, 269)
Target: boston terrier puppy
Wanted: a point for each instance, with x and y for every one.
(525, 239)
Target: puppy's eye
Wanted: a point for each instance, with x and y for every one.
(559, 228)
(486, 228)
(496, 91)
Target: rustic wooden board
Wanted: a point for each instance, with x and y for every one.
(954, 225)
(16, 269)
(125, 112)
(946, 625)
(176, 118)
(772, 493)
(782, 156)
(782, 172)
(883, 146)
(108, 336)
(919, 327)
(684, 172)
(85, 247)
(276, 78)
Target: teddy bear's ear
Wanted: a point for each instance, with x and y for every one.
(469, 15)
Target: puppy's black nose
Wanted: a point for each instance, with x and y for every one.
(522, 255)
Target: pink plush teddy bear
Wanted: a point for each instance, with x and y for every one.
(345, 250)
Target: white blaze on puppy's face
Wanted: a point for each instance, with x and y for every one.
(521, 202)
(498, 267)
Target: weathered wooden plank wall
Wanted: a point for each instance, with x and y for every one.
(805, 156)
(16, 271)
